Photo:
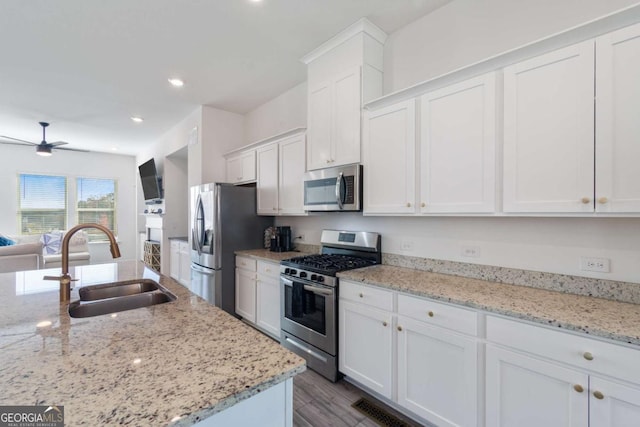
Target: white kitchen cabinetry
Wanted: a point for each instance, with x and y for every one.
(422, 349)
(280, 172)
(365, 342)
(546, 377)
(334, 108)
(617, 122)
(268, 298)
(389, 163)
(548, 132)
(457, 148)
(246, 288)
(241, 167)
(342, 73)
(180, 261)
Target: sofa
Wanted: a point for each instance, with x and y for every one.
(33, 252)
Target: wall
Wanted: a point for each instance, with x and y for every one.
(15, 160)
(287, 111)
(458, 34)
(222, 132)
(466, 31)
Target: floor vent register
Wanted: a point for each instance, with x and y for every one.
(379, 415)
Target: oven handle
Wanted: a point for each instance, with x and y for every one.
(338, 192)
(320, 291)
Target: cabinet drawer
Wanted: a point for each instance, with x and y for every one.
(183, 246)
(367, 295)
(246, 263)
(438, 314)
(268, 269)
(607, 358)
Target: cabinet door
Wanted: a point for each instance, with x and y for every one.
(249, 166)
(319, 126)
(267, 180)
(617, 121)
(292, 169)
(389, 159)
(268, 304)
(347, 113)
(246, 294)
(174, 260)
(437, 374)
(548, 132)
(185, 263)
(615, 404)
(365, 340)
(458, 148)
(234, 169)
(526, 392)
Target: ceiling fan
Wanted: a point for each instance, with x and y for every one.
(43, 148)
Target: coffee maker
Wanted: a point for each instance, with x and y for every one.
(281, 240)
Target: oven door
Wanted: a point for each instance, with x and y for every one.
(308, 311)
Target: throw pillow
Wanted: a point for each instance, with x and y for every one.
(6, 242)
(51, 242)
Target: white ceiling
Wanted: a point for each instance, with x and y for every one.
(87, 66)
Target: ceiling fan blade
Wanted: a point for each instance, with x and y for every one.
(57, 143)
(20, 140)
(21, 144)
(71, 149)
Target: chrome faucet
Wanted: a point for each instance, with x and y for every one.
(65, 278)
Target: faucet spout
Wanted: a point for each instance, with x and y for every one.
(65, 279)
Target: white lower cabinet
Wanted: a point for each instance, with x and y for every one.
(437, 373)
(180, 261)
(366, 346)
(268, 299)
(407, 357)
(258, 294)
(551, 378)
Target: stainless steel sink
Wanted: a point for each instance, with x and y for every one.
(117, 289)
(119, 296)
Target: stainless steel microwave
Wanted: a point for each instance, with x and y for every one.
(333, 189)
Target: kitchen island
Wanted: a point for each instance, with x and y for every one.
(176, 363)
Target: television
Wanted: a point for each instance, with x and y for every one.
(151, 182)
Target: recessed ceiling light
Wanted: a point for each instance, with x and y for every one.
(176, 82)
(255, 1)
(44, 324)
(137, 119)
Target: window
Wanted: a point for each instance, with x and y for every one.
(42, 203)
(97, 203)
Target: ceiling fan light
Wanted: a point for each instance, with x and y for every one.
(43, 151)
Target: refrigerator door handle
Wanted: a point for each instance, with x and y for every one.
(207, 271)
(198, 218)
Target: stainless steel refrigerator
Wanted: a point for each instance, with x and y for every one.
(223, 220)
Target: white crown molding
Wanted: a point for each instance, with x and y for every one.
(285, 134)
(363, 25)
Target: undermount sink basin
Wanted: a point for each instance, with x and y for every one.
(118, 296)
(117, 289)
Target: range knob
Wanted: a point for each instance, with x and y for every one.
(314, 277)
(320, 278)
(292, 272)
(303, 274)
(286, 270)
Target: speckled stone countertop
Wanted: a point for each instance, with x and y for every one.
(142, 367)
(267, 255)
(595, 316)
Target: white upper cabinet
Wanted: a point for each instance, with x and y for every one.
(389, 159)
(457, 167)
(241, 167)
(618, 121)
(343, 73)
(280, 170)
(549, 132)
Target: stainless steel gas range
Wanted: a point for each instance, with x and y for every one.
(309, 296)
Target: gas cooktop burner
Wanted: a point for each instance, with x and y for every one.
(328, 263)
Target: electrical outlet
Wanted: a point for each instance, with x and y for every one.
(407, 245)
(600, 265)
(471, 251)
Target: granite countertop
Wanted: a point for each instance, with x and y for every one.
(267, 255)
(140, 367)
(181, 238)
(595, 316)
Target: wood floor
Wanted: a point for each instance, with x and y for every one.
(321, 403)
